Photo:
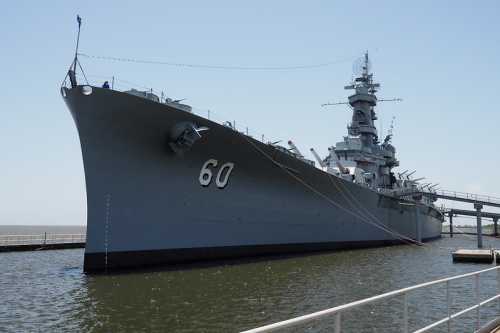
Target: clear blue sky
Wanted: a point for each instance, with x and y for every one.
(441, 57)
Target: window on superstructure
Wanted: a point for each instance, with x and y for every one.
(360, 117)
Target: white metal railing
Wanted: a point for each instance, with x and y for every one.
(338, 310)
(42, 239)
(453, 194)
(465, 195)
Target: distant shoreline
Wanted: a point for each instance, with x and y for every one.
(13, 229)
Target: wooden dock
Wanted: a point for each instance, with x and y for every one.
(465, 255)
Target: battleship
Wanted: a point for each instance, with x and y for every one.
(166, 186)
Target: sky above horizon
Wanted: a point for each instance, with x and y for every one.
(441, 58)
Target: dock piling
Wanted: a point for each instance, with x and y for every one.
(451, 224)
(478, 207)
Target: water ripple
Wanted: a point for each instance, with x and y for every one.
(47, 291)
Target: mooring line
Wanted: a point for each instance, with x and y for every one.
(360, 217)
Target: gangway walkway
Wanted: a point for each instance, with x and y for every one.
(484, 200)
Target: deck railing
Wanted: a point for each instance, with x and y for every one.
(338, 310)
(41, 239)
(122, 85)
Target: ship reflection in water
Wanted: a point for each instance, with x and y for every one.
(47, 291)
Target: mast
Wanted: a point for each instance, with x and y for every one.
(363, 102)
(79, 20)
(72, 68)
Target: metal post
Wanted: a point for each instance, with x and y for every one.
(477, 302)
(113, 83)
(405, 313)
(495, 226)
(478, 208)
(451, 224)
(498, 285)
(79, 20)
(44, 238)
(337, 322)
(448, 305)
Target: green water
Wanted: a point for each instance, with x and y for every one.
(47, 291)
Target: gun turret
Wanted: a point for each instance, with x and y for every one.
(418, 179)
(337, 162)
(409, 175)
(316, 156)
(294, 148)
(401, 174)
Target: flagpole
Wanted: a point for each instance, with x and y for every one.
(79, 20)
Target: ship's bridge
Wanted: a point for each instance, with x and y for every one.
(363, 98)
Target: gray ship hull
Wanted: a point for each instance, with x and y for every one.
(146, 204)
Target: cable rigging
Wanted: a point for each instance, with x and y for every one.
(218, 67)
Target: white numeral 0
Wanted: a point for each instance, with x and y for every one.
(221, 179)
(218, 181)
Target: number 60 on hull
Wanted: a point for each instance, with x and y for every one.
(222, 176)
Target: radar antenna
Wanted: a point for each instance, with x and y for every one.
(390, 133)
(391, 129)
(347, 103)
(363, 79)
(390, 100)
(362, 68)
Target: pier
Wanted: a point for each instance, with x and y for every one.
(45, 241)
(484, 256)
(478, 202)
(457, 212)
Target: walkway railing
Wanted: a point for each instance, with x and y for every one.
(338, 310)
(41, 239)
(461, 196)
(468, 230)
(470, 196)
